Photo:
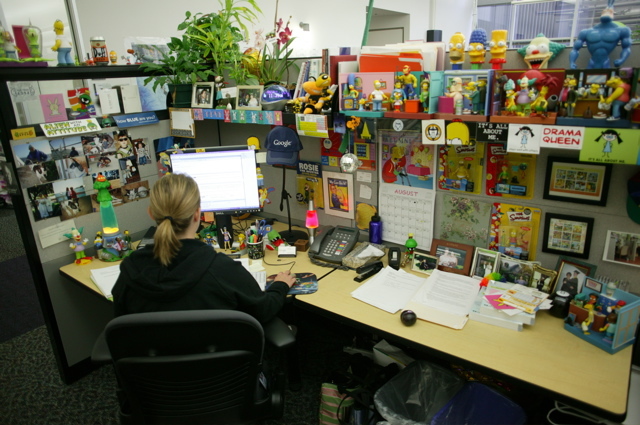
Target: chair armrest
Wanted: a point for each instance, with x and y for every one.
(100, 352)
(278, 334)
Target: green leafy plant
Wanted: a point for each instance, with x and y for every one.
(274, 62)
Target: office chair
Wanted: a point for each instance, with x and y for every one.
(200, 366)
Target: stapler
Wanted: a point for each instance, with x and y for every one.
(368, 270)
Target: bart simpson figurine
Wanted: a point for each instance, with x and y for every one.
(456, 50)
(498, 48)
(62, 45)
(477, 48)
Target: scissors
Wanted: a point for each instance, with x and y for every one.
(262, 227)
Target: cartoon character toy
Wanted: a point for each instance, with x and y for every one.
(498, 48)
(410, 246)
(456, 50)
(78, 244)
(62, 45)
(319, 93)
(410, 82)
(540, 51)
(601, 40)
(477, 48)
(33, 37)
(424, 95)
(618, 98)
(8, 45)
(377, 96)
(455, 92)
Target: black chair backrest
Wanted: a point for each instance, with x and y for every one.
(188, 366)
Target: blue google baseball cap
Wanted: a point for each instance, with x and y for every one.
(283, 146)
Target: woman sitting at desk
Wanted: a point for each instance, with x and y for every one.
(178, 272)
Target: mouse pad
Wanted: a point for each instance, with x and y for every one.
(306, 283)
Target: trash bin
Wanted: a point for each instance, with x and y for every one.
(427, 394)
(416, 394)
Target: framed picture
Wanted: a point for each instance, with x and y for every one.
(572, 274)
(516, 271)
(338, 194)
(544, 280)
(593, 284)
(570, 180)
(565, 234)
(424, 263)
(182, 122)
(203, 95)
(622, 248)
(249, 97)
(485, 261)
(452, 257)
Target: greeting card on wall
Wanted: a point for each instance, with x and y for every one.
(465, 220)
(606, 145)
(53, 107)
(514, 230)
(460, 168)
(524, 138)
(81, 103)
(405, 160)
(330, 149)
(338, 194)
(433, 132)
(510, 175)
(310, 184)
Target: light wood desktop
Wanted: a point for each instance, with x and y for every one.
(544, 355)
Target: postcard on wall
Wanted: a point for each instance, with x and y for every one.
(611, 145)
(524, 138)
(53, 107)
(338, 194)
(465, 220)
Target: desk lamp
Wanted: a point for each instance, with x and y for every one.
(311, 222)
(290, 235)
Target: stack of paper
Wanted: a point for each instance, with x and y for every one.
(105, 278)
(442, 298)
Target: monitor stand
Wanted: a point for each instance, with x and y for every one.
(222, 221)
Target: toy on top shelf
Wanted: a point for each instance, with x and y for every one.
(398, 96)
(62, 45)
(617, 99)
(455, 92)
(540, 52)
(377, 96)
(572, 96)
(424, 94)
(8, 48)
(477, 48)
(525, 96)
(409, 81)
(510, 97)
(33, 35)
(456, 50)
(498, 48)
(474, 96)
(601, 40)
(319, 92)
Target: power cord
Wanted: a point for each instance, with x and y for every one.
(576, 413)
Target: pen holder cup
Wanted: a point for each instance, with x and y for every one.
(255, 250)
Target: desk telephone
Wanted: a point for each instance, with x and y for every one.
(331, 244)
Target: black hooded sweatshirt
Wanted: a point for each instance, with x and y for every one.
(198, 278)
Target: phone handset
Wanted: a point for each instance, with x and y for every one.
(331, 244)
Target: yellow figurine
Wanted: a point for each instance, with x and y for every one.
(456, 50)
(377, 96)
(409, 81)
(62, 45)
(498, 48)
(477, 48)
(589, 320)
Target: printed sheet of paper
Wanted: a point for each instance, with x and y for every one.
(389, 290)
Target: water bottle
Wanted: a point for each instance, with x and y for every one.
(375, 229)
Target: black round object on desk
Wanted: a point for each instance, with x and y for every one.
(560, 304)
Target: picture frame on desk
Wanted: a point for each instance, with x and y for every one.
(569, 180)
(452, 257)
(424, 263)
(568, 235)
(544, 280)
(203, 95)
(570, 281)
(249, 98)
(622, 248)
(485, 261)
(593, 284)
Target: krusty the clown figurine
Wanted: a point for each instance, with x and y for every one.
(540, 52)
(78, 244)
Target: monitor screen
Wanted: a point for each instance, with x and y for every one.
(226, 177)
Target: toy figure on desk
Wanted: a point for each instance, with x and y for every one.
(227, 238)
(540, 52)
(410, 246)
(97, 244)
(77, 245)
(410, 82)
(618, 98)
(601, 40)
(456, 50)
(477, 48)
(209, 240)
(62, 45)
(424, 95)
(589, 320)
(498, 48)
(540, 104)
(377, 96)
(610, 327)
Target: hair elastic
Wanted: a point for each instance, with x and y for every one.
(168, 217)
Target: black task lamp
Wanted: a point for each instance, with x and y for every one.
(283, 147)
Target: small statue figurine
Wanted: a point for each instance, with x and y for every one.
(455, 92)
(97, 243)
(525, 96)
(617, 99)
(62, 45)
(540, 52)
(33, 36)
(8, 45)
(610, 327)
(473, 96)
(77, 245)
(586, 323)
(456, 50)
(510, 97)
(227, 238)
(410, 82)
(572, 96)
(411, 245)
(601, 40)
(377, 96)
(498, 48)
(424, 95)
(477, 48)
(398, 97)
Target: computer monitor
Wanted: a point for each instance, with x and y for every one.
(227, 179)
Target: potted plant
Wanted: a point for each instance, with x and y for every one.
(179, 69)
(216, 37)
(274, 62)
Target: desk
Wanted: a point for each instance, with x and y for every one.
(543, 356)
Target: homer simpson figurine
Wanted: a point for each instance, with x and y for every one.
(62, 45)
(456, 50)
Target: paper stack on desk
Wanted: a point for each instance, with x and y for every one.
(442, 298)
(105, 278)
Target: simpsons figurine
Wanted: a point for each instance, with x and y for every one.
(62, 45)
(477, 48)
(498, 48)
(456, 50)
